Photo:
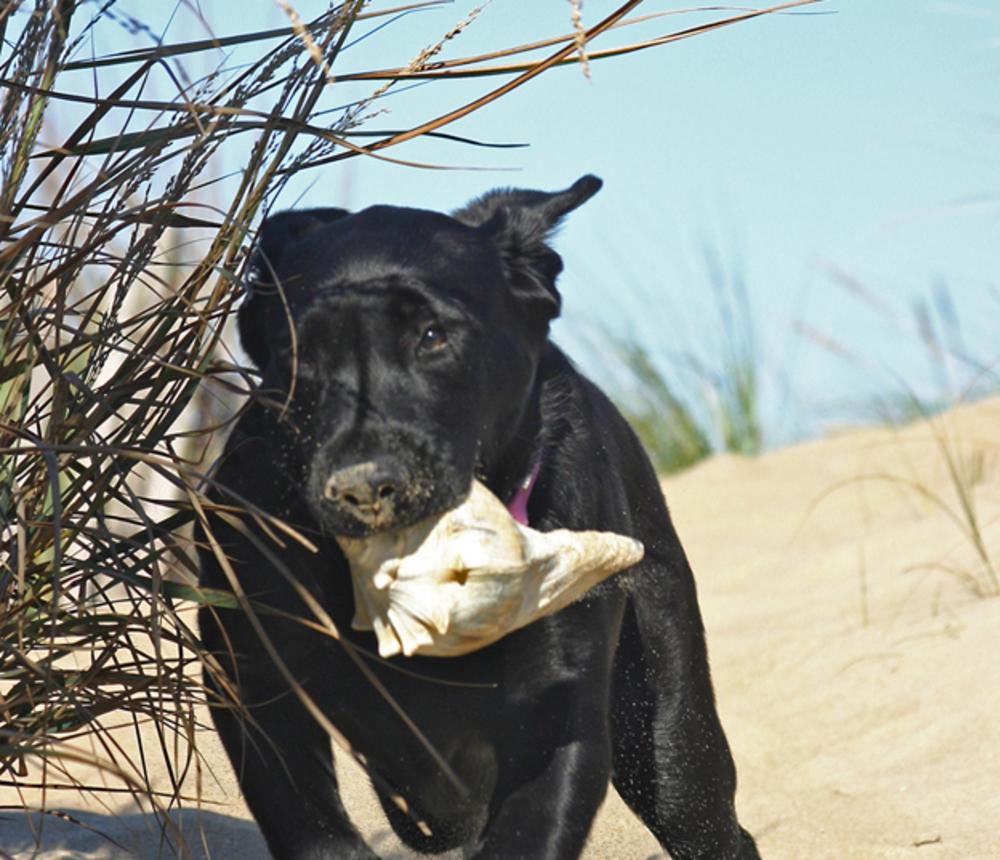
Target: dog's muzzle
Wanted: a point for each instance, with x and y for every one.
(369, 492)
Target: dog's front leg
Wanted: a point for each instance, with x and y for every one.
(556, 766)
(549, 818)
(284, 764)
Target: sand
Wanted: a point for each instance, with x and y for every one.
(854, 661)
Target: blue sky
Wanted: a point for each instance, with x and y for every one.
(860, 139)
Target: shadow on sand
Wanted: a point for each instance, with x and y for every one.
(73, 834)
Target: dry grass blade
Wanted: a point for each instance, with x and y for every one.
(525, 48)
(478, 68)
(528, 71)
(184, 48)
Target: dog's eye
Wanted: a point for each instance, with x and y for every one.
(433, 339)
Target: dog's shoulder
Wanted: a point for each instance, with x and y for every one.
(596, 464)
(576, 410)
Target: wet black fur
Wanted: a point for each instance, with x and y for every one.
(532, 728)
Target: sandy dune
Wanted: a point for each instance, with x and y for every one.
(855, 665)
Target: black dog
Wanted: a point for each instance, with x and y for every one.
(402, 353)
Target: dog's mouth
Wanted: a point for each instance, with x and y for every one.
(379, 518)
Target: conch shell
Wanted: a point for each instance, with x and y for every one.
(459, 582)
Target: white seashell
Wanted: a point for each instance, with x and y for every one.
(459, 582)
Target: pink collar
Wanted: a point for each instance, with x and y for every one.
(518, 506)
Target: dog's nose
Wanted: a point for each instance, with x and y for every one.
(366, 490)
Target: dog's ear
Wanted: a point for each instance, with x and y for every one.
(520, 223)
(278, 234)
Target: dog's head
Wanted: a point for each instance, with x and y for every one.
(399, 346)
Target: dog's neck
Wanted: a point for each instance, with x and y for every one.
(512, 474)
